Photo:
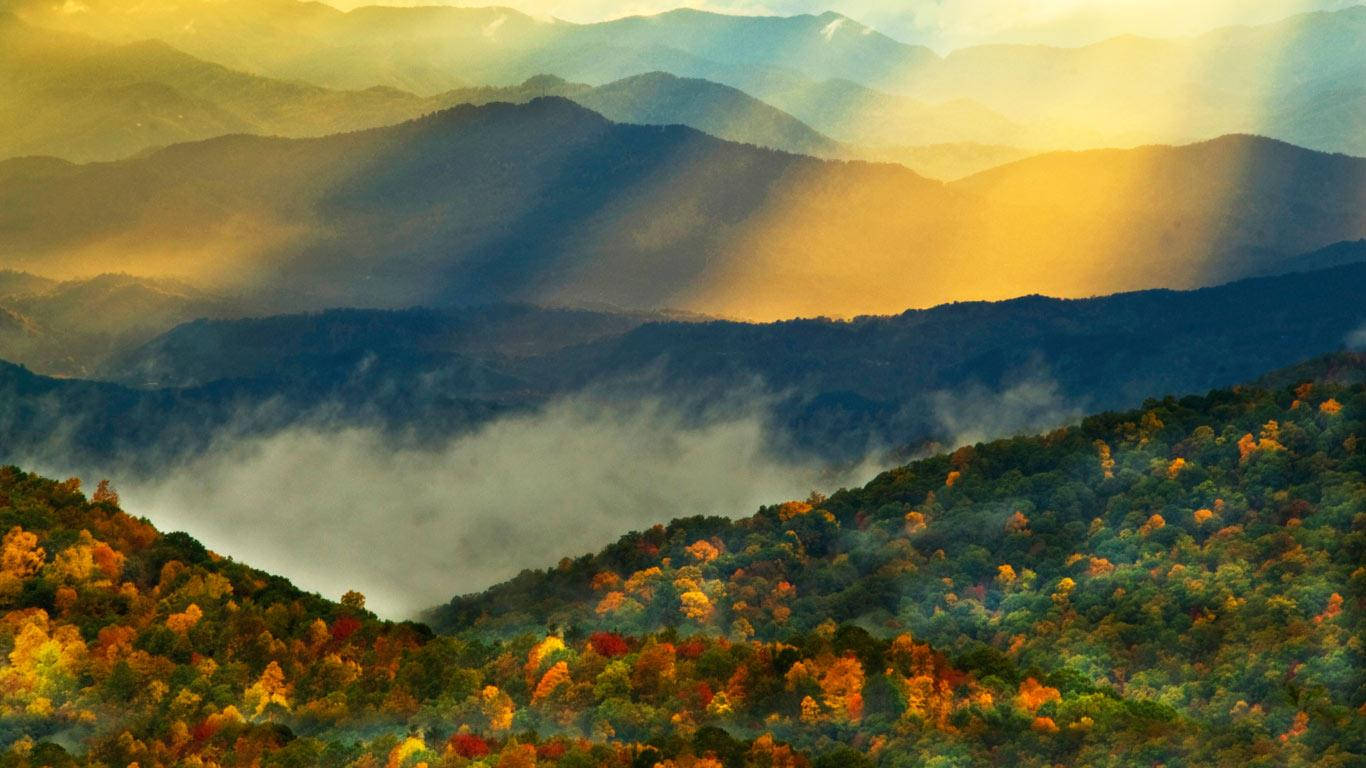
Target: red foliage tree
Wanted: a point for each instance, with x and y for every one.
(609, 644)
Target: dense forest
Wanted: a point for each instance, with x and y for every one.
(1180, 584)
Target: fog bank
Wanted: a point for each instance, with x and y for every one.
(338, 509)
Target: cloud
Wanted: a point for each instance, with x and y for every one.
(1357, 339)
(828, 32)
(338, 509)
(975, 414)
(491, 29)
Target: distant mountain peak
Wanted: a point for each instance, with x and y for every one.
(544, 82)
(539, 109)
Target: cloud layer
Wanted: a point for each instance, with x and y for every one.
(344, 509)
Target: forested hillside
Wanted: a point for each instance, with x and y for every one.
(1180, 584)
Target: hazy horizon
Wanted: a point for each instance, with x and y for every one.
(946, 25)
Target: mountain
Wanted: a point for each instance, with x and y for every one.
(1036, 601)
(658, 98)
(829, 390)
(324, 344)
(70, 328)
(946, 161)
(84, 99)
(549, 203)
(1236, 79)
(81, 99)
(1295, 79)
(432, 49)
(860, 115)
(1144, 186)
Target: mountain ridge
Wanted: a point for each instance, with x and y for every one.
(549, 202)
(1233, 72)
(835, 388)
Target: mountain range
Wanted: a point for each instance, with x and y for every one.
(82, 99)
(831, 390)
(537, 333)
(1297, 79)
(548, 202)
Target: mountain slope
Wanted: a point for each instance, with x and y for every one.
(1258, 179)
(549, 203)
(1152, 553)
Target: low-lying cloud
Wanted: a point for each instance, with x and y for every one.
(1357, 339)
(338, 509)
(335, 506)
(974, 414)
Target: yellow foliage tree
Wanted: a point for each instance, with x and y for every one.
(1107, 462)
(641, 583)
(406, 749)
(556, 676)
(915, 521)
(517, 756)
(1034, 694)
(498, 707)
(44, 664)
(1154, 523)
(605, 580)
(610, 603)
(180, 623)
(1065, 587)
(268, 693)
(539, 653)
(20, 557)
(696, 606)
(842, 686)
(703, 551)
(1017, 523)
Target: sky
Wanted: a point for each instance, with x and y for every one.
(948, 24)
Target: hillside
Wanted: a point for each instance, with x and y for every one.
(547, 202)
(1188, 554)
(1178, 584)
(829, 390)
